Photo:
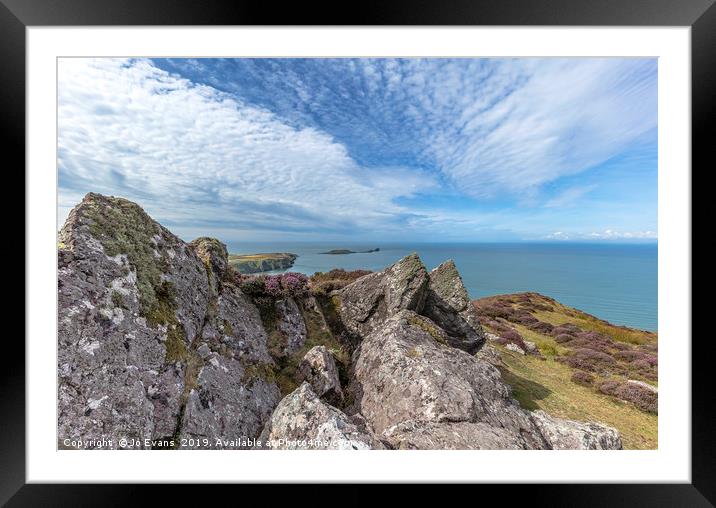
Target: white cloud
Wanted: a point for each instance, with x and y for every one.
(607, 234)
(569, 197)
(195, 156)
(513, 125)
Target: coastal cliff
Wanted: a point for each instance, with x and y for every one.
(257, 263)
(165, 343)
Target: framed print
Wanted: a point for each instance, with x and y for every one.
(421, 245)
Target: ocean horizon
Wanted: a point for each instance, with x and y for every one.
(615, 282)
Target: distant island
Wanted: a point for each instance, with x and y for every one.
(346, 251)
(256, 263)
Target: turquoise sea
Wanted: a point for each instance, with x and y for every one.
(614, 282)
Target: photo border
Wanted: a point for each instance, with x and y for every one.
(700, 15)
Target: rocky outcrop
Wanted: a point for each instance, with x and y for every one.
(369, 301)
(319, 369)
(569, 435)
(407, 375)
(157, 344)
(135, 305)
(415, 391)
(214, 255)
(449, 306)
(303, 422)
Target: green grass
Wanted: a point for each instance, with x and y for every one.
(545, 384)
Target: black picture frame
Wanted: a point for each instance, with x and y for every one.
(700, 15)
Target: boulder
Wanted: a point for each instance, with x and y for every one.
(290, 325)
(448, 305)
(302, 421)
(570, 435)
(407, 372)
(229, 402)
(413, 435)
(531, 348)
(318, 368)
(130, 294)
(136, 304)
(514, 348)
(369, 301)
(415, 391)
(214, 255)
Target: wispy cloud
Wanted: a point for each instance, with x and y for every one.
(198, 157)
(607, 234)
(382, 147)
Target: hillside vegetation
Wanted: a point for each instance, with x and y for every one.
(581, 367)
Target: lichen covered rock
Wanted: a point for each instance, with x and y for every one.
(135, 304)
(449, 306)
(318, 368)
(405, 373)
(366, 303)
(570, 435)
(302, 421)
(229, 403)
(291, 326)
(157, 343)
(215, 257)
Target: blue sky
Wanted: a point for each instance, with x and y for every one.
(367, 149)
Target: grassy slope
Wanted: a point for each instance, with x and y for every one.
(544, 383)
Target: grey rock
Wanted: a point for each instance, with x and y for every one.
(417, 392)
(514, 348)
(302, 421)
(449, 306)
(318, 368)
(570, 435)
(129, 293)
(406, 372)
(291, 325)
(489, 354)
(369, 301)
(137, 311)
(215, 257)
(413, 435)
(237, 327)
(229, 405)
(531, 347)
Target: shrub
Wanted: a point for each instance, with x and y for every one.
(233, 276)
(563, 337)
(541, 327)
(608, 387)
(512, 337)
(641, 397)
(629, 356)
(524, 318)
(253, 286)
(566, 328)
(285, 285)
(582, 378)
(294, 284)
(589, 360)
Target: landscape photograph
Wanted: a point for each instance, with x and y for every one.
(357, 254)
